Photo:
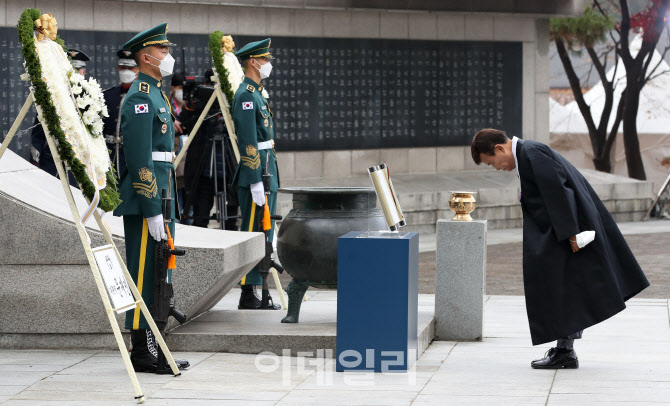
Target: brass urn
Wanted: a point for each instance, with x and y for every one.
(462, 203)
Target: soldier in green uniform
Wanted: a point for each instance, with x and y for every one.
(147, 125)
(253, 124)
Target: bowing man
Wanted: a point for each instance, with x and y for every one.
(569, 286)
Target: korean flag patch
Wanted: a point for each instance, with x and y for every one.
(141, 108)
(245, 105)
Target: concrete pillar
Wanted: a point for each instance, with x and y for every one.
(461, 280)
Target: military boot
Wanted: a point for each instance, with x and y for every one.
(153, 347)
(250, 299)
(143, 354)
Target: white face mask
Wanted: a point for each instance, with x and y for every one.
(265, 70)
(179, 95)
(166, 64)
(127, 76)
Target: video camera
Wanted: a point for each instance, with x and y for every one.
(196, 92)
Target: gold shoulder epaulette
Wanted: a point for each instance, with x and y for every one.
(251, 88)
(144, 87)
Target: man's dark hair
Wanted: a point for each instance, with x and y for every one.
(485, 141)
(136, 56)
(177, 79)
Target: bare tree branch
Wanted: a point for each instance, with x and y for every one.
(624, 49)
(576, 89)
(655, 67)
(611, 137)
(665, 51)
(597, 64)
(616, 68)
(657, 75)
(586, 78)
(607, 87)
(605, 55)
(602, 11)
(650, 46)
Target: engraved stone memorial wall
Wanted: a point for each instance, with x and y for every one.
(334, 93)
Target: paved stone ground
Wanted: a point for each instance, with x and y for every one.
(624, 360)
(504, 275)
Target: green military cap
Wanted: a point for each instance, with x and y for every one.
(154, 36)
(256, 49)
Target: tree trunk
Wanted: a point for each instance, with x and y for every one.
(630, 138)
(601, 157)
(603, 160)
(602, 163)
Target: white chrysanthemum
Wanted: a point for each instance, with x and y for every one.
(94, 107)
(76, 78)
(92, 152)
(89, 117)
(97, 126)
(81, 103)
(235, 72)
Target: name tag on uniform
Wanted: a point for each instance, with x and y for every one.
(264, 108)
(161, 110)
(247, 105)
(141, 108)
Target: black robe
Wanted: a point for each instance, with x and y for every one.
(567, 292)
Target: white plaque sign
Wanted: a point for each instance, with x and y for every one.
(112, 274)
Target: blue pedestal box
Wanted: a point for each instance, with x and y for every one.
(377, 301)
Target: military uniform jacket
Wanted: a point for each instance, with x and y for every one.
(147, 125)
(567, 292)
(113, 97)
(253, 124)
(113, 101)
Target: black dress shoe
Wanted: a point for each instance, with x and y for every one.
(557, 358)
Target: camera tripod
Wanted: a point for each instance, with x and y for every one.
(216, 140)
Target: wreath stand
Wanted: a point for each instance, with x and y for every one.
(86, 243)
(230, 127)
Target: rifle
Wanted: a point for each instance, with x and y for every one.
(163, 305)
(265, 224)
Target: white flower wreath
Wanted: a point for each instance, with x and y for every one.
(90, 101)
(72, 94)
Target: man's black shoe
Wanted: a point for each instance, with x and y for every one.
(557, 358)
(249, 299)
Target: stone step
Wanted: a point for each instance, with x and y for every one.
(45, 282)
(227, 329)
(425, 198)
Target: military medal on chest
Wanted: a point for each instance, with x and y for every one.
(164, 128)
(266, 122)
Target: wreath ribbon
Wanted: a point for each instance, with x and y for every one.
(61, 58)
(47, 27)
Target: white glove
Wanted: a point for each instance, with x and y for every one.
(258, 193)
(583, 239)
(157, 227)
